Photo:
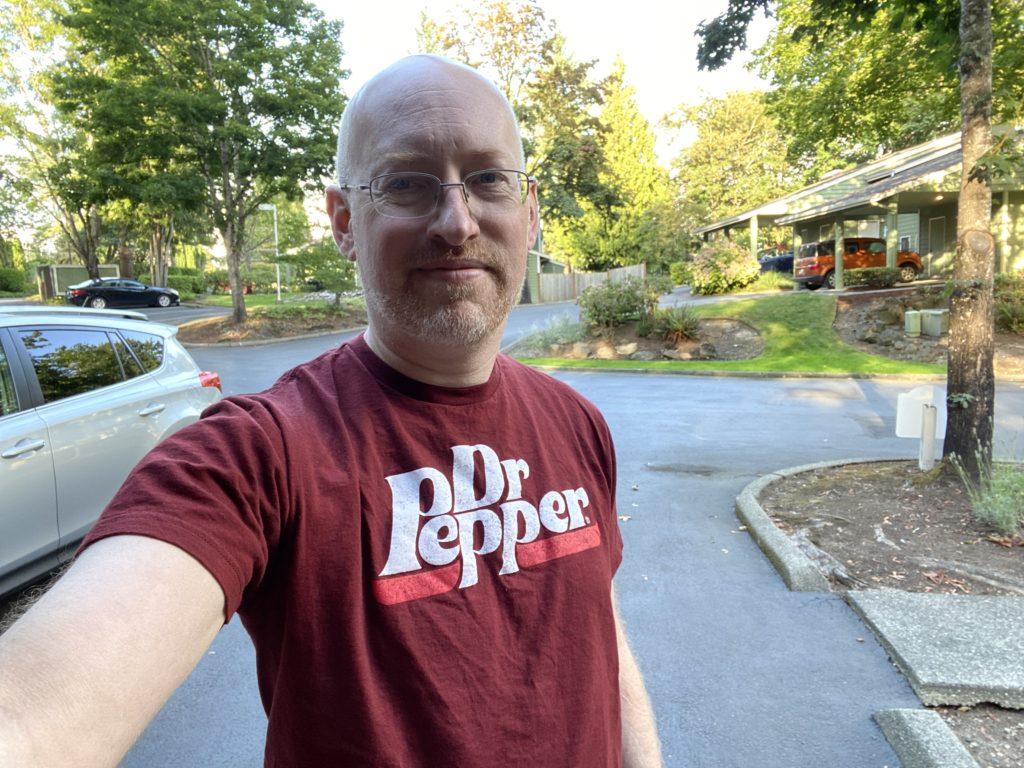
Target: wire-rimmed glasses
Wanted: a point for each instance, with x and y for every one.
(412, 195)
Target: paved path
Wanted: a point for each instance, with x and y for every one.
(742, 671)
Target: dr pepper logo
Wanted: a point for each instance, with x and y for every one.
(436, 549)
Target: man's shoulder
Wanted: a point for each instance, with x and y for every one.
(547, 389)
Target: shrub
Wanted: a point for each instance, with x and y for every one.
(673, 324)
(217, 279)
(561, 329)
(771, 281)
(1009, 302)
(12, 280)
(182, 271)
(660, 284)
(874, 277)
(613, 303)
(259, 278)
(182, 284)
(999, 500)
(722, 267)
(679, 271)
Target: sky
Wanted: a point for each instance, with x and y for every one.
(654, 38)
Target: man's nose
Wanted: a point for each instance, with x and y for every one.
(453, 221)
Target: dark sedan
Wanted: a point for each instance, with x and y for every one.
(777, 262)
(118, 292)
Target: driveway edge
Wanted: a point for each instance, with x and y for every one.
(921, 739)
(265, 342)
(759, 374)
(795, 568)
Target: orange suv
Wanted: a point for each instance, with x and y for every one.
(815, 262)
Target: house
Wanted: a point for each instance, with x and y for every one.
(908, 197)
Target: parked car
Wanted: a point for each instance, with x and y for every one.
(84, 394)
(777, 262)
(118, 292)
(815, 262)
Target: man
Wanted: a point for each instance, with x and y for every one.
(418, 534)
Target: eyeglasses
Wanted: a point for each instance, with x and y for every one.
(412, 195)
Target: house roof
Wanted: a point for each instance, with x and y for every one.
(930, 170)
(871, 174)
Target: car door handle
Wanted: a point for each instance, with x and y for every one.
(149, 410)
(23, 447)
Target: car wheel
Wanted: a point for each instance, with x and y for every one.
(98, 302)
(908, 273)
(830, 279)
(163, 300)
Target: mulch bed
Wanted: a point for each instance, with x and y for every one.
(258, 327)
(887, 524)
(717, 339)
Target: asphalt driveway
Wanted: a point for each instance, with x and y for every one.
(742, 672)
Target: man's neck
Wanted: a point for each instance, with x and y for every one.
(438, 364)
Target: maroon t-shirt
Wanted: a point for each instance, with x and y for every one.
(425, 572)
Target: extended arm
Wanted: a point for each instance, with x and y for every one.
(87, 668)
(640, 746)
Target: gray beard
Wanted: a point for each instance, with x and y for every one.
(461, 321)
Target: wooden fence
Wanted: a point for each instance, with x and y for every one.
(568, 287)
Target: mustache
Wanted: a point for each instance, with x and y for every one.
(473, 253)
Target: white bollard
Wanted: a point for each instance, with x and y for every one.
(926, 457)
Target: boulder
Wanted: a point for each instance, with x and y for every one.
(626, 349)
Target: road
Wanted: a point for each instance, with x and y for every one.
(741, 671)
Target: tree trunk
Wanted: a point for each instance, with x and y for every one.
(234, 256)
(971, 382)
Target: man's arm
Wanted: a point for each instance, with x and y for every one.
(90, 664)
(640, 746)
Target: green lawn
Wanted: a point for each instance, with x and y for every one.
(798, 334)
(254, 300)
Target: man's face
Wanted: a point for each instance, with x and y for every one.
(454, 275)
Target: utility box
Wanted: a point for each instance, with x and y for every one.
(935, 322)
(912, 323)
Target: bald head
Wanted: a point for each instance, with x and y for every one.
(392, 99)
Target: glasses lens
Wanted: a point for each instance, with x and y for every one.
(497, 188)
(405, 195)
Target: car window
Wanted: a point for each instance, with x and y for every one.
(128, 362)
(148, 347)
(851, 247)
(8, 397)
(876, 247)
(132, 284)
(71, 361)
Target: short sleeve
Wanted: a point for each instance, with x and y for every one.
(215, 489)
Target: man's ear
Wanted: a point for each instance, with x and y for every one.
(341, 221)
(534, 213)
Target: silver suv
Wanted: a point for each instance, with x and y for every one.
(84, 394)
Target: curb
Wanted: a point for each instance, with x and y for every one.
(921, 739)
(795, 568)
(265, 342)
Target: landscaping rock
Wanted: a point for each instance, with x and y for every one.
(671, 354)
(626, 349)
(605, 351)
(581, 350)
(707, 351)
(644, 354)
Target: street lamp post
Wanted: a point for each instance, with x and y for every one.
(277, 256)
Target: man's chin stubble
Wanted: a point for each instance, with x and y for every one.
(460, 320)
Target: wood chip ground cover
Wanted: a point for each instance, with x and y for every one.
(887, 524)
(266, 327)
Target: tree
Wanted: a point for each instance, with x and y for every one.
(970, 379)
(628, 223)
(882, 84)
(738, 160)
(243, 96)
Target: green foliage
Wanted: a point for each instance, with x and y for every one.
(998, 499)
(738, 160)
(721, 267)
(259, 278)
(217, 279)
(672, 324)
(613, 303)
(872, 277)
(1009, 302)
(770, 281)
(186, 280)
(679, 271)
(561, 329)
(12, 280)
(660, 284)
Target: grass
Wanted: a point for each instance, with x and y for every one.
(767, 282)
(799, 338)
(999, 500)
